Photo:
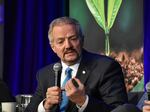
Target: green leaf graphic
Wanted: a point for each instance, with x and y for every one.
(97, 9)
(113, 8)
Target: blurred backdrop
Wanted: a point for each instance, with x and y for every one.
(125, 37)
(24, 46)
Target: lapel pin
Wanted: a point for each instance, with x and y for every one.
(83, 72)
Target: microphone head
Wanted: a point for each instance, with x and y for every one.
(148, 87)
(57, 67)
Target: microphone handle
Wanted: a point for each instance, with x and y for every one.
(56, 78)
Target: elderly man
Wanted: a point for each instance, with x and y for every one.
(91, 82)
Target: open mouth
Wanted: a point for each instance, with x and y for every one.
(70, 51)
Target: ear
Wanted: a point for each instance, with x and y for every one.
(53, 48)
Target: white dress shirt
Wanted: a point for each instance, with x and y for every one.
(63, 76)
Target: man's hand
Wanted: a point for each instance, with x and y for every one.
(76, 95)
(53, 96)
(146, 107)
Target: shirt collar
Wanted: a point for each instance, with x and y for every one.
(73, 67)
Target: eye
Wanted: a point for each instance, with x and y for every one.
(59, 41)
(74, 38)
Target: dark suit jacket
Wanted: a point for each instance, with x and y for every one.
(5, 94)
(103, 80)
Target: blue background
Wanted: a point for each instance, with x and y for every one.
(26, 47)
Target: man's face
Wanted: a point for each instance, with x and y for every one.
(66, 43)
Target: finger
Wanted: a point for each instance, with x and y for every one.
(54, 88)
(146, 108)
(50, 102)
(53, 98)
(70, 86)
(79, 83)
(147, 102)
(67, 86)
(53, 93)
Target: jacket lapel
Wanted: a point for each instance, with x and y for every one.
(84, 68)
(82, 75)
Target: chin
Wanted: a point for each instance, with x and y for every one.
(71, 58)
(71, 61)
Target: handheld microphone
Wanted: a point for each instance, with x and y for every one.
(148, 90)
(56, 68)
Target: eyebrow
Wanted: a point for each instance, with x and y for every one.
(67, 37)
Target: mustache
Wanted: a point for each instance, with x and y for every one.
(69, 50)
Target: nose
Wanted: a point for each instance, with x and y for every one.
(68, 43)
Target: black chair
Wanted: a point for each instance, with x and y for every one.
(126, 108)
(5, 94)
(134, 97)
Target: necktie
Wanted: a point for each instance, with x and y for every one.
(65, 100)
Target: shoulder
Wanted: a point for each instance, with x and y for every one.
(45, 71)
(98, 58)
(46, 68)
(99, 62)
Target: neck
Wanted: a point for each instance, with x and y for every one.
(73, 62)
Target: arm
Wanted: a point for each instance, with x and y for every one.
(45, 79)
(108, 89)
(37, 97)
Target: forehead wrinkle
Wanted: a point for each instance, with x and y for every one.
(61, 37)
(64, 30)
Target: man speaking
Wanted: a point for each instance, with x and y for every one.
(87, 82)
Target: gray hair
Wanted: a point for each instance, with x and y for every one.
(63, 21)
